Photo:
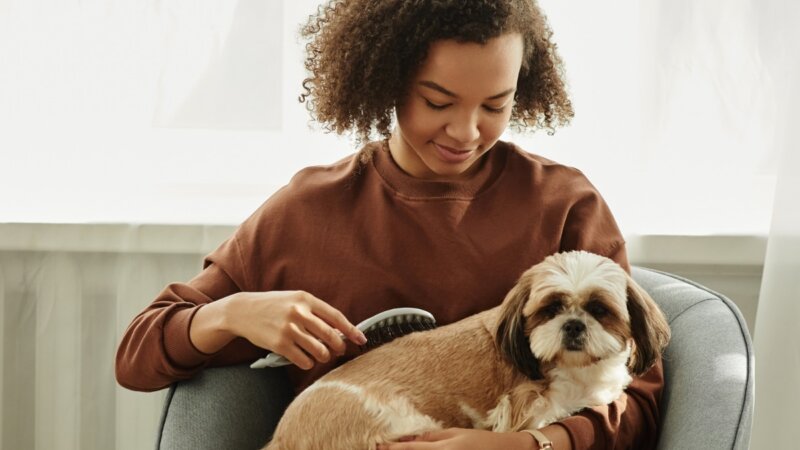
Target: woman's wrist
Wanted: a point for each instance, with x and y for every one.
(541, 442)
(555, 434)
(528, 441)
(212, 326)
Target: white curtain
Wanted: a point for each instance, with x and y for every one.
(62, 314)
(777, 344)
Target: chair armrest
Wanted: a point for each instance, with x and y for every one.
(708, 366)
(221, 408)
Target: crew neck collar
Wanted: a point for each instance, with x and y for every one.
(491, 167)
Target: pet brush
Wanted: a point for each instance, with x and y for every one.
(379, 329)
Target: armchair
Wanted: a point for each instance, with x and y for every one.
(708, 395)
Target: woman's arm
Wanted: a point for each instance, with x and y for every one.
(294, 324)
(183, 329)
(632, 421)
(156, 349)
(468, 439)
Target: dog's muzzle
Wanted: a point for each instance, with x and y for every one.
(574, 335)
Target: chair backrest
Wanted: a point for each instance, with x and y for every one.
(708, 366)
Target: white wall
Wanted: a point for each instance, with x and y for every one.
(187, 112)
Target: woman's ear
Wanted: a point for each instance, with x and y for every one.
(511, 337)
(649, 328)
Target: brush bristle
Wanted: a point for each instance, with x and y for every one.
(392, 328)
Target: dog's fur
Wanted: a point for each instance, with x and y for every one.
(566, 337)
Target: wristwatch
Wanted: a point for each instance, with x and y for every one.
(544, 443)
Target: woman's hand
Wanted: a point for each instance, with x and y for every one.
(464, 439)
(459, 438)
(294, 324)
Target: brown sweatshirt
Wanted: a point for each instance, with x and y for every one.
(366, 237)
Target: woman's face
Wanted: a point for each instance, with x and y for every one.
(458, 105)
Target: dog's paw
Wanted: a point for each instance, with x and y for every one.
(499, 418)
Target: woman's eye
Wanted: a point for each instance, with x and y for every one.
(439, 107)
(494, 110)
(435, 106)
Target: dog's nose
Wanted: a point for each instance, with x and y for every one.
(574, 328)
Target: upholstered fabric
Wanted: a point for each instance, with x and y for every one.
(224, 408)
(708, 369)
(708, 366)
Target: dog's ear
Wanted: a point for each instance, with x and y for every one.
(649, 328)
(511, 337)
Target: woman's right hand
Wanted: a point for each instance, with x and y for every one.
(295, 324)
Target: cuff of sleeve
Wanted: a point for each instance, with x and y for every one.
(177, 343)
(582, 432)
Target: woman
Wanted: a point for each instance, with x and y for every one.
(440, 214)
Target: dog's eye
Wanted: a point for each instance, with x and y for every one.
(596, 309)
(552, 309)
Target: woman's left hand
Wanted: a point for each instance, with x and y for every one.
(463, 439)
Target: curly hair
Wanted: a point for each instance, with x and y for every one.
(363, 54)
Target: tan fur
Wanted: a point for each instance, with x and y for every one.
(462, 375)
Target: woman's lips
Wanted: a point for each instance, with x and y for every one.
(452, 155)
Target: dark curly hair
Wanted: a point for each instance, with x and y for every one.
(363, 54)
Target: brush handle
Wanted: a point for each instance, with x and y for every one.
(271, 360)
(276, 360)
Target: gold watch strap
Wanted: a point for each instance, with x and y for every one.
(544, 443)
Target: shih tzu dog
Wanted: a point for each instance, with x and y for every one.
(567, 336)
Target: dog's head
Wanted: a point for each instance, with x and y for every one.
(577, 308)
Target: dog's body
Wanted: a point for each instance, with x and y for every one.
(469, 374)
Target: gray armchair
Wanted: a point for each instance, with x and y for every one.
(708, 396)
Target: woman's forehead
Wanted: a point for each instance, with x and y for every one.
(473, 69)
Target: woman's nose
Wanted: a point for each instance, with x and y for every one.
(463, 129)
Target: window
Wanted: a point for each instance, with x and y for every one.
(187, 112)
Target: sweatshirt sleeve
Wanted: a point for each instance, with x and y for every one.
(156, 350)
(590, 226)
(632, 421)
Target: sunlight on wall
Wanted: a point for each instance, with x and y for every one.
(187, 112)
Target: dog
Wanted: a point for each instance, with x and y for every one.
(568, 336)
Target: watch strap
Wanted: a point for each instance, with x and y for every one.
(544, 443)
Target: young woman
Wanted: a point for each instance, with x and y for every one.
(440, 214)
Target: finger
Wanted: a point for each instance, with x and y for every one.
(434, 436)
(329, 336)
(298, 357)
(336, 319)
(310, 344)
(407, 446)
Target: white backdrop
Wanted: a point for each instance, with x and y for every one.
(185, 112)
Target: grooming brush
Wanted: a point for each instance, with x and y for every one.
(379, 329)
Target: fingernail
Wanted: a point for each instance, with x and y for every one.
(361, 339)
